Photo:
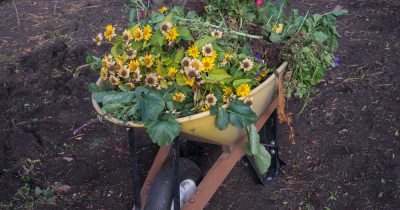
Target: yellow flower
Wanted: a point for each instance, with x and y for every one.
(179, 97)
(277, 29)
(205, 108)
(165, 26)
(162, 9)
(172, 34)
(148, 61)
(133, 65)
(207, 50)
(196, 64)
(126, 35)
(138, 35)
(147, 32)
(227, 91)
(243, 90)
(98, 39)
(264, 73)
(172, 71)
(103, 74)
(129, 84)
(214, 55)
(114, 80)
(193, 52)
(217, 33)
(246, 64)
(208, 63)
(228, 56)
(109, 33)
(191, 83)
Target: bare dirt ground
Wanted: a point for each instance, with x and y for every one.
(346, 154)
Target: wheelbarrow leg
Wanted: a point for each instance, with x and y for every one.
(135, 171)
(176, 183)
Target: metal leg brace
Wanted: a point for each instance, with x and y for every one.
(135, 171)
(176, 184)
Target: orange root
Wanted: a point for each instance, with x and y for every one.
(284, 117)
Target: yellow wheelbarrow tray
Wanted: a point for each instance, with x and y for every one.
(202, 127)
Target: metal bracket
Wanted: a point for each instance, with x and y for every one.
(135, 171)
(269, 138)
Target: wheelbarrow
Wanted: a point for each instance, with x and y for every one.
(177, 183)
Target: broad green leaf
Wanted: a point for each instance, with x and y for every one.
(136, 45)
(179, 55)
(275, 37)
(239, 82)
(319, 36)
(207, 40)
(169, 17)
(317, 17)
(134, 28)
(132, 15)
(218, 74)
(254, 138)
(163, 132)
(114, 51)
(240, 114)
(93, 87)
(132, 111)
(220, 98)
(213, 110)
(339, 12)
(249, 16)
(263, 160)
(184, 34)
(38, 191)
(180, 80)
(151, 104)
(246, 148)
(246, 50)
(124, 88)
(124, 56)
(161, 69)
(222, 119)
(99, 96)
(204, 77)
(163, 84)
(120, 97)
(332, 42)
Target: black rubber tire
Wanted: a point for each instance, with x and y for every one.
(160, 196)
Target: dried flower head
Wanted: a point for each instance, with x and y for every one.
(114, 80)
(130, 53)
(191, 72)
(136, 75)
(217, 33)
(246, 65)
(211, 100)
(151, 80)
(126, 35)
(248, 101)
(185, 62)
(199, 80)
(207, 50)
(165, 27)
(124, 72)
(98, 39)
(196, 64)
(111, 67)
(230, 98)
(130, 84)
(179, 97)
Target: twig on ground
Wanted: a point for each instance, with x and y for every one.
(55, 7)
(16, 12)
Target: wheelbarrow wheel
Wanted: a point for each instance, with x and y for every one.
(160, 196)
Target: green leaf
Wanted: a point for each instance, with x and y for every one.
(38, 191)
(49, 200)
(180, 80)
(96, 142)
(114, 51)
(207, 40)
(99, 96)
(169, 17)
(124, 88)
(160, 69)
(134, 28)
(163, 84)
(383, 181)
(241, 115)
(92, 87)
(339, 12)
(136, 45)
(119, 97)
(332, 42)
(179, 55)
(239, 82)
(246, 50)
(263, 160)
(254, 138)
(220, 98)
(275, 37)
(249, 16)
(319, 36)
(184, 34)
(317, 17)
(213, 110)
(218, 74)
(163, 132)
(151, 104)
(131, 15)
(222, 119)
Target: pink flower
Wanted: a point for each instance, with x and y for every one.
(151, 11)
(116, 149)
(206, 153)
(48, 185)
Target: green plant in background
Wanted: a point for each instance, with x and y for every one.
(45, 194)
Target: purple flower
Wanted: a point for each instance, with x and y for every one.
(258, 57)
(336, 59)
(226, 21)
(259, 70)
(256, 76)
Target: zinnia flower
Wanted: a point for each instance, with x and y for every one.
(151, 80)
(211, 100)
(172, 71)
(103, 74)
(126, 35)
(205, 108)
(130, 53)
(172, 34)
(111, 66)
(124, 72)
(98, 39)
(133, 65)
(196, 64)
(227, 91)
(138, 34)
(207, 50)
(246, 65)
(148, 61)
(243, 90)
(217, 33)
(191, 72)
(193, 52)
(165, 27)
(179, 97)
(188, 82)
(208, 63)
(109, 33)
(147, 32)
(114, 80)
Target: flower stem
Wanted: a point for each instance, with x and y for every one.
(305, 17)
(89, 122)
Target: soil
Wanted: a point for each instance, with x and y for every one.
(346, 151)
